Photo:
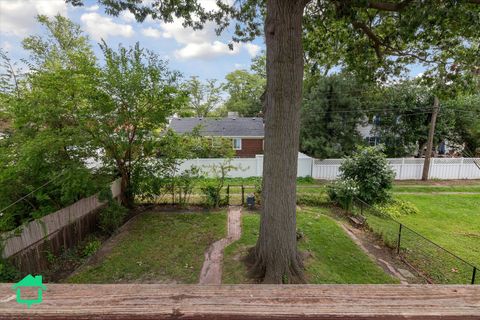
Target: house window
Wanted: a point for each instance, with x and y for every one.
(237, 143)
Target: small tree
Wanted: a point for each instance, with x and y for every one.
(371, 172)
(213, 190)
(139, 93)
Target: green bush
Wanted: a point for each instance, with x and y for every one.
(8, 273)
(394, 209)
(213, 195)
(91, 248)
(343, 192)
(112, 217)
(312, 199)
(369, 168)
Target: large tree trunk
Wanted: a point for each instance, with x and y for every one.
(275, 257)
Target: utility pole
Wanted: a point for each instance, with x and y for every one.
(431, 132)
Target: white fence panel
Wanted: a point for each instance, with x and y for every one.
(329, 169)
(409, 168)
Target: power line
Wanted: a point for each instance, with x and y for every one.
(30, 193)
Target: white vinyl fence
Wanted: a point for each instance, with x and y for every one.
(328, 169)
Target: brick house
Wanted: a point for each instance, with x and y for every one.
(246, 133)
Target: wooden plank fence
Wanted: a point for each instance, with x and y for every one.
(62, 229)
(154, 301)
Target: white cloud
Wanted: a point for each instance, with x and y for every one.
(184, 35)
(17, 17)
(92, 8)
(252, 49)
(151, 32)
(206, 50)
(100, 27)
(6, 45)
(127, 16)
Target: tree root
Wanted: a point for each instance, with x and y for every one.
(274, 273)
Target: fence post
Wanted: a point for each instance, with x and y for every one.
(243, 195)
(474, 274)
(399, 238)
(460, 165)
(228, 194)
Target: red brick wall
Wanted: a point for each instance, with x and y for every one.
(250, 148)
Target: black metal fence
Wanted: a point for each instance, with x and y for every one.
(432, 261)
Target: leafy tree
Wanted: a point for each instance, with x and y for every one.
(138, 93)
(245, 90)
(203, 97)
(42, 161)
(369, 170)
(331, 111)
(401, 28)
(466, 113)
(403, 113)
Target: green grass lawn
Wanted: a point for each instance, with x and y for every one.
(452, 221)
(158, 247)
(398, 188)
(335, 258)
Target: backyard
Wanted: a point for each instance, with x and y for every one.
(164, 247)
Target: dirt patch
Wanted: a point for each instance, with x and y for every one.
(212, 267)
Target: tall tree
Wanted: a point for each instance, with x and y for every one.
(137, 92)
(400, 27)
(46, 147)
(332, 110)
(245, 91)
(203, 97)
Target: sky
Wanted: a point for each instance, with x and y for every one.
(194, 53)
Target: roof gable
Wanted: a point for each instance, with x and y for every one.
(220, 127)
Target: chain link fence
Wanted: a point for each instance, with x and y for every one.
(433, 262)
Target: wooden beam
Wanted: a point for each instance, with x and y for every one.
(152, 301)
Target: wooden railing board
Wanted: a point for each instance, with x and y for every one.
(154, 301)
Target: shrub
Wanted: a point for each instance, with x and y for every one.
(370, 170)
(394, 209)
(91, 247)
(213, 195)
(213, 188)
(312, 199)
(258, 191)
(112, 217)
(8, 273)
(343, 192)
(186, 181)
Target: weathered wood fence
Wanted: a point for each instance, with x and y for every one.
(27, 247)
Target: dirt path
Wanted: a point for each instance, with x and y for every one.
(212, 267)
(382, 255)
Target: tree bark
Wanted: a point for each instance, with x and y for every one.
(275, 258)
(431, 132)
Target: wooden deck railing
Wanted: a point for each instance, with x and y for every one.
(143, 301)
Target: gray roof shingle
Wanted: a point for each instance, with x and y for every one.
(222, 127)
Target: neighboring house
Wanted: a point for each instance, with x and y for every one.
(246, 133)
(368, 133)
(30, 282)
